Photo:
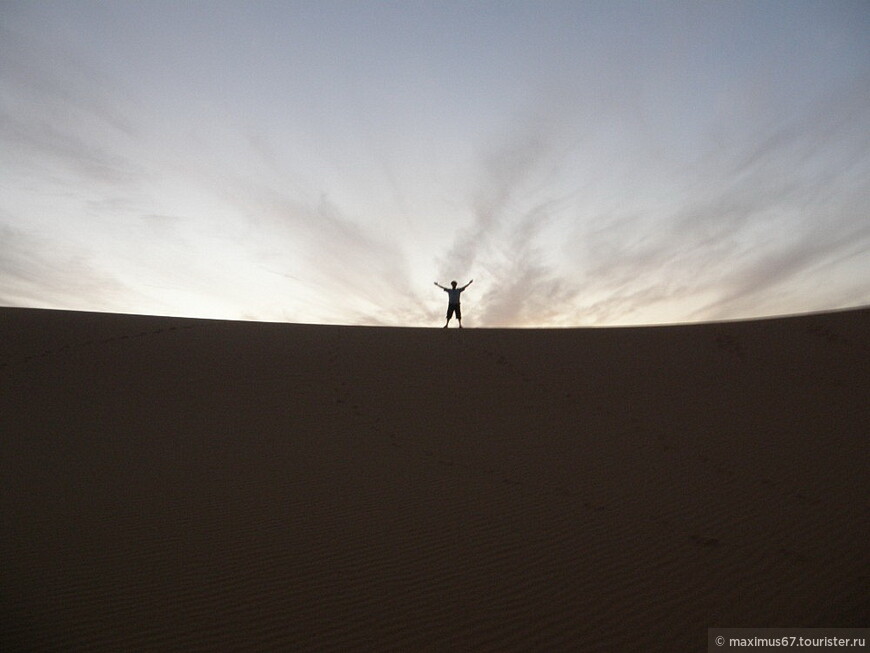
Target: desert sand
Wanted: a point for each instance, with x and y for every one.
(178, 484)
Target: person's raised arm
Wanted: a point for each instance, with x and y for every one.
(440, 286)
(468, 284)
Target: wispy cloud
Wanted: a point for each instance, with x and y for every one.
(58, 112)
(727, 230)
(37, 272)
(523, 289)
(743, 226)
(511, 204)
(622, 194)
(349, 270)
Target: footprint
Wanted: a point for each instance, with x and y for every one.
(663, 442)
(706, 542)
(793, 555)
(825, 333)
(730, 344)
(804, 499)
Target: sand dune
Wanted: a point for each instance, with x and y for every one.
(179, 484)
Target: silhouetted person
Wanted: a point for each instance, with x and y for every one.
(453, 301)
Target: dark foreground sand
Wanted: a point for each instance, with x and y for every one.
(177, 484)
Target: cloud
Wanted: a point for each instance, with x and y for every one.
(60, 115)
(37, 143)
(737, 229)
(348, 270)
(505, 174)
(523, 289)
(648, 185)
(511, 203)
(68, 133)
(36, 272)
(743, 229)
(763, 277)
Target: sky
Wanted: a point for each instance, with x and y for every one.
(587, 163)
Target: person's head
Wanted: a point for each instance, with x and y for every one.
(453, 283)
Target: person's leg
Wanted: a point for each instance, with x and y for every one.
(459, 316)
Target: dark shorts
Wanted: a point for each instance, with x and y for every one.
(454, 308)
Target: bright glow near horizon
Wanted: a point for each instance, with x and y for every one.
(585, 162)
